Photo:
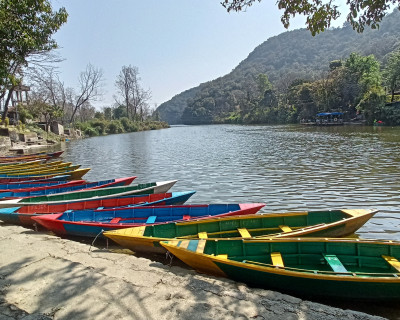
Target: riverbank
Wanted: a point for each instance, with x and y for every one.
(46, 277)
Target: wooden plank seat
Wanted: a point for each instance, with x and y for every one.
(115, 220)
(393, 262)
(151, 219)
(202, 235)
(335, 263)
(277, 260)
(244, 233)
(285, 228)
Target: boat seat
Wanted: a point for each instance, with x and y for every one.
(115, 220)
(393, 262)
(335, 263)
(285, 228)
(151, 219)
(100, 208)
(222, 256)
(276, 259)
(202, 235)
(186, 217)
(244, 233)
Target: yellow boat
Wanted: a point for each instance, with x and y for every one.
(27, 164)
(40, 171)
(329, 223)
(36, 167)
(73, 174)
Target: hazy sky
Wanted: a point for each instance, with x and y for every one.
(176, 44)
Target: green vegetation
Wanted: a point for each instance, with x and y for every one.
(98, 127)
(26, 30)
(320, 13)
(294, 76)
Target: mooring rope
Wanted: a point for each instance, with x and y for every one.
(102, 230)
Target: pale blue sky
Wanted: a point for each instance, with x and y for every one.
(176, 44)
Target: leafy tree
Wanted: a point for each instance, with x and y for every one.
(26, 30)
(320, 14)
(392, 73)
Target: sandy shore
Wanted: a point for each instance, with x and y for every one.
(46, 277)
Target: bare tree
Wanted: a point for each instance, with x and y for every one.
(90, 82)
(134, 97)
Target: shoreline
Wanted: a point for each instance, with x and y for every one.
(46, 277)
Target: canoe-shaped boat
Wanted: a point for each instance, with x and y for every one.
(65, 188)
(27, 164)
(91, 223)
(35, 167)
(331, 268)
(30, 157)
(46, 178)
(40, 171)
(72, 175)
(331, 223)
(32, 185)
(23, 215)
(104, 193)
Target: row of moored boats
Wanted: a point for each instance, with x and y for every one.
(304, 253)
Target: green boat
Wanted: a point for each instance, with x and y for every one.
(144, 188)
(323, 223)
(307, 267)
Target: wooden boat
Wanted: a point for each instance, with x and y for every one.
(34, 166)
(332, 223)
(331, 268)
(62, 189)
(27, 164)
(144, 188)
(32, 185)
(91, 223)
(72, 175)
(30, 157)
(30, 179)
(23, 215)
(38, 171)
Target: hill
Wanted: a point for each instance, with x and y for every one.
(284, 58)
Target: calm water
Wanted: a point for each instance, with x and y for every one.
(287, 167)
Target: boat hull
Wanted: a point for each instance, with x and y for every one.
(147, 238)
(23, 215)
(90, 224)
(312, 283)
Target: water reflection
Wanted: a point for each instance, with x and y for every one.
(288, 167)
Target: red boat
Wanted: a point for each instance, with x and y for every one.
(31, 157)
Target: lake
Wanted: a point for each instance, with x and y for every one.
(289, 167)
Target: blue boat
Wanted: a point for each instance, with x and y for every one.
(43, 192)
(87, 223)
(23, 215)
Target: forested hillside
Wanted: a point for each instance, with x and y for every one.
(262, 88)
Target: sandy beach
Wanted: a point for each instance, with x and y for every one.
(46, 277)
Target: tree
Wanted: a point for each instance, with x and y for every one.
(320, 14)
(391, 73)
(26, 29)
(134, 97)
(90, 82)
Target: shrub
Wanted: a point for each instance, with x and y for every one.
(115, 126)
(91, 132)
